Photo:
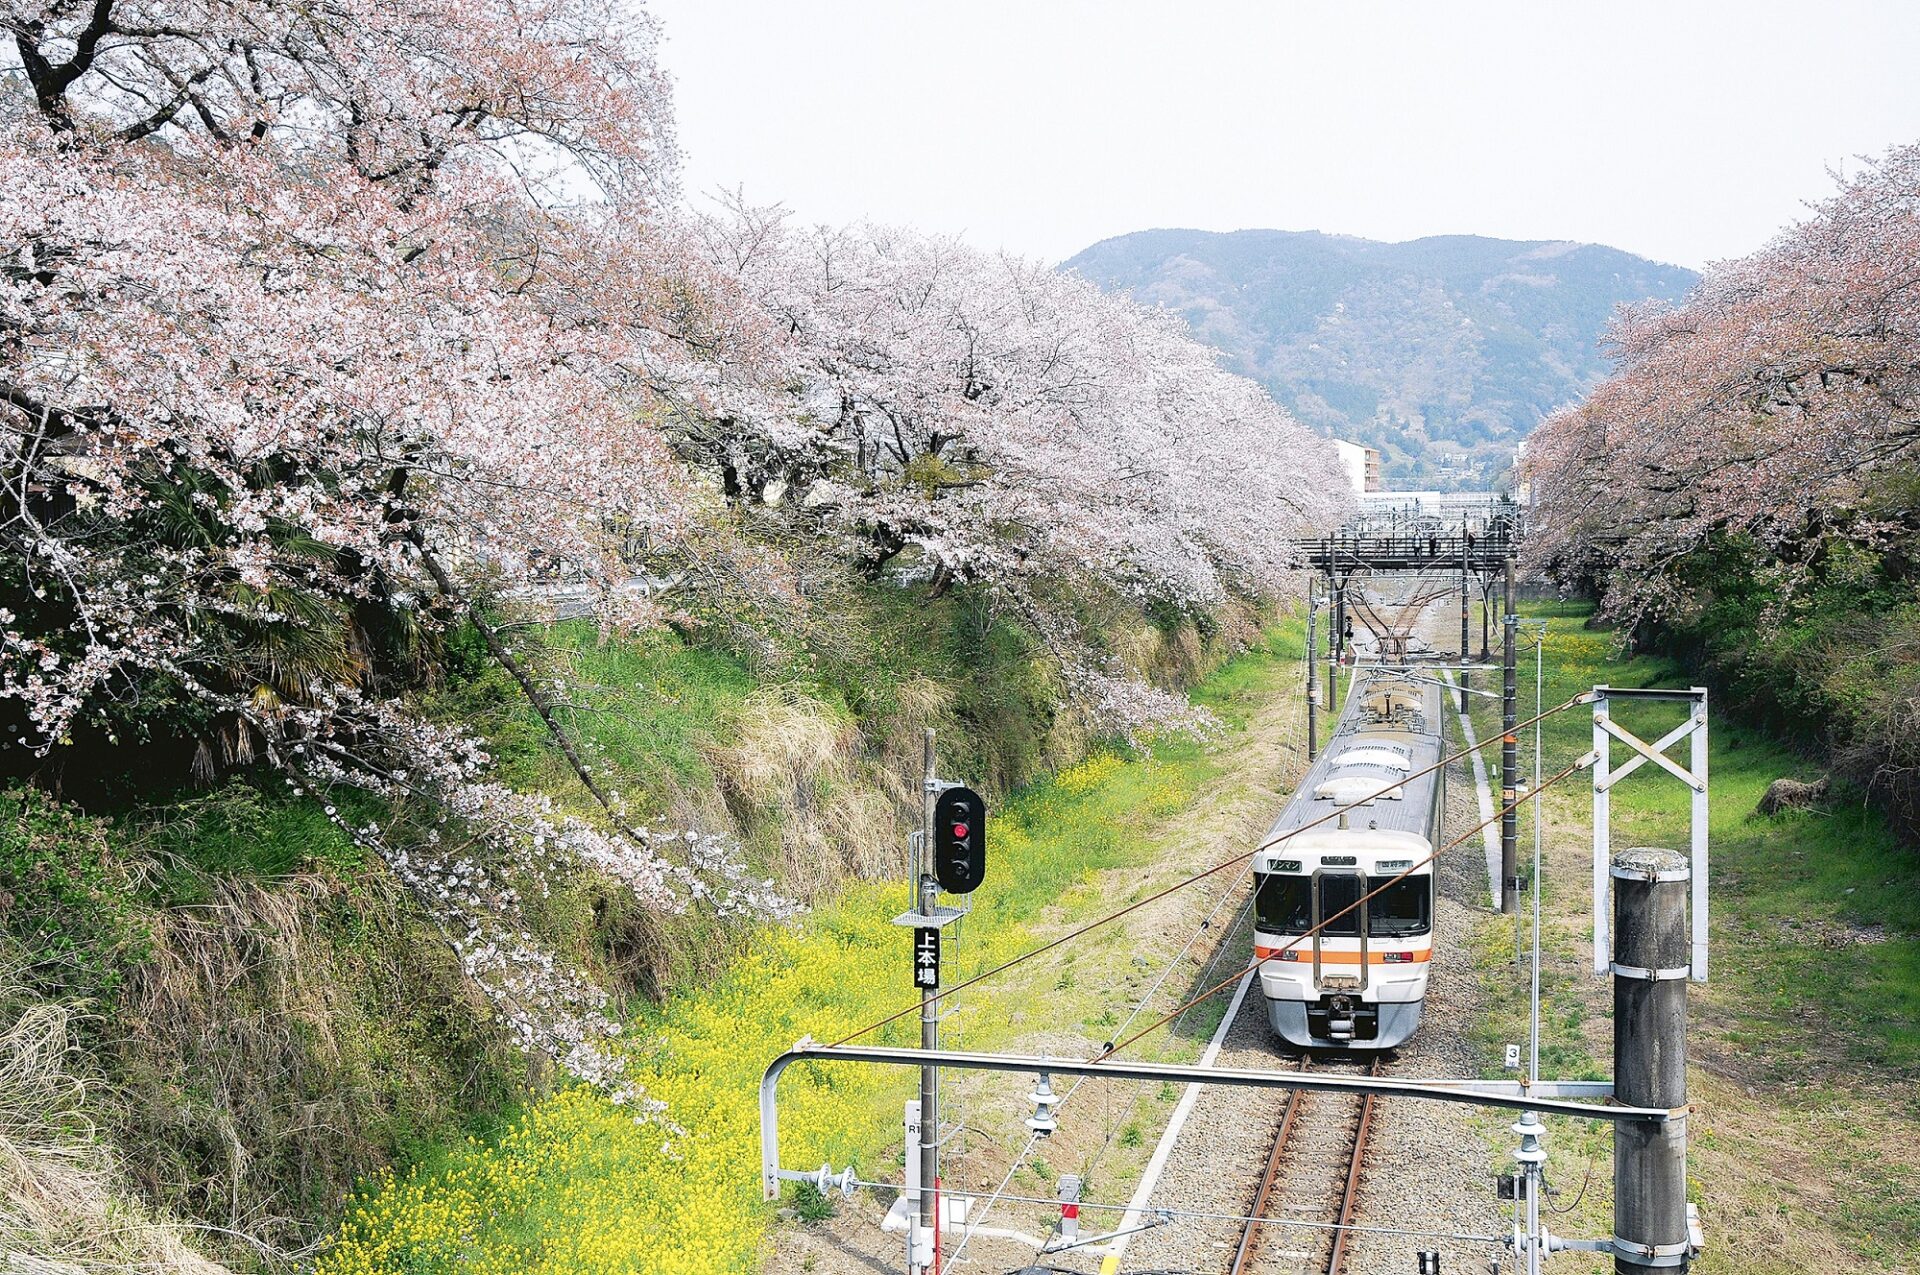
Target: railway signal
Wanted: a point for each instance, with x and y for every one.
(959, 840)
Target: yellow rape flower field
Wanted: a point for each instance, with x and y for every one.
(577, 1186)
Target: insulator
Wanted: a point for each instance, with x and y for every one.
(1044, 1100)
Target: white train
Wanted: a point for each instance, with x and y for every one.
(1351, 985)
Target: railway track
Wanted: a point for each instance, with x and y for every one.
(1312, 1175)
(1394, 635)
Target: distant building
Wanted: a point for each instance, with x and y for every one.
(1522, 481)
(1361, 463)
(1457, 468)
(1396, 513)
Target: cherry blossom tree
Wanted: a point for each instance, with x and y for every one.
(1000, 422)
(296, 368)
(1764, 405)
(324, 327)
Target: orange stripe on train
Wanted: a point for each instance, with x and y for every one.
(1305, 956)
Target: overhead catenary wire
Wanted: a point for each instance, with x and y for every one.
(976, 1217)
(1000, 1192)
(1205, 873)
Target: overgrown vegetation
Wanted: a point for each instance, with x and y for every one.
(279, 1019)
(574, 1184)
(1744, 488)
(64, 1197)
(1812, 1018)
(1827, 650)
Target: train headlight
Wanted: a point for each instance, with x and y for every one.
(1396, 958)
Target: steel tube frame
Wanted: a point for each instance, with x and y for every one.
(1694, 775)
(1546, 1098)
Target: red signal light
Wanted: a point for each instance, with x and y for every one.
(960, 839)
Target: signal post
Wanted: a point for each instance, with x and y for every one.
(1509, 756)
(948, 852)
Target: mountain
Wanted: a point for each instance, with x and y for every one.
(1442, 352)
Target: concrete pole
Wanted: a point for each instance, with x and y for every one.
(1509, 759)
(1313, 709)
(929, 893)
(1336, 625)
(1486, 605)
(1650, 946)
(1465, 677)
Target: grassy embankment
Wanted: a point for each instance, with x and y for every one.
(576, 1184)
(1805, 1047)
(273, 1019)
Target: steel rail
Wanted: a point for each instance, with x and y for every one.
(1350, 1193)
(1346, 1203)
(1198, 1215)
(1249, 1235)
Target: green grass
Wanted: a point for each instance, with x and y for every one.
(1782, 887)
(648, 710)
(648, 707)
(1808, 1019)
(241, 831)
(542, 1193)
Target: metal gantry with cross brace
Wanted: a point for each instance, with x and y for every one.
(1693, 775)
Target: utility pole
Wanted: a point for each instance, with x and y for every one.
(1336, 627)
(1509, 759)
(1650, 950)
(928, 893)
(1486, 605)
(1466, 556)
(1313, 709)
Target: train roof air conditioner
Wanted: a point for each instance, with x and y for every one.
(1374, 755)
(1349, 790)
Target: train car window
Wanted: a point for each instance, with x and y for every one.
(1402, 909)
(1285, 903)
(1338, 891)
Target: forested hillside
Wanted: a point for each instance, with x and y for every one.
(452, 595)
(1442, 352)
(1746, 487)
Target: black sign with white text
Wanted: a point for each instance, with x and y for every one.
(926, 956)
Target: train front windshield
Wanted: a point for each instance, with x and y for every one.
(1402, 909)
(1284, 903)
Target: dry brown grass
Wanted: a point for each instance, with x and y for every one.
(64, 1203)
(797, 767)
(272, 1044)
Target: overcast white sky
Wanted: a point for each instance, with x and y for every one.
(1683, 131)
